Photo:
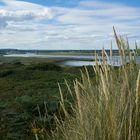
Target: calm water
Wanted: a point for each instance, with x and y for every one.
(50, 56)
(115, 59)
(86, 63)
(78, 63)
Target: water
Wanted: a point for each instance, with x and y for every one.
(115, 59)
(86, 63)
(78, 63)
(50, 56)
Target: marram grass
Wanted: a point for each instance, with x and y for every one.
(107, 107)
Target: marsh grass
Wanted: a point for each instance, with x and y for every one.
(106, 107)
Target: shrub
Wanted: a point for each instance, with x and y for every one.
(17, 63)
(45, 67)
(5, 73)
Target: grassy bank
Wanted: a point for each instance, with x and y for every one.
(30, 60)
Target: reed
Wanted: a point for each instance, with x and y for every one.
(107, 107)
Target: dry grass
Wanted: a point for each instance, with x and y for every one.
(108, 109)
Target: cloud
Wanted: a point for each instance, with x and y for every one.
(24, 15)
(87, 26)
(15, 11)
(2, 24)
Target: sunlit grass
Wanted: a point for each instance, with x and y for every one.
(106, 107)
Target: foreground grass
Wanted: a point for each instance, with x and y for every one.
(106, 108)
(109, 110)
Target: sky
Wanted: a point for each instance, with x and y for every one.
(67, 24)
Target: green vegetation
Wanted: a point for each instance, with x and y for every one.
(34, 60)
(5, 73)
(23, 88)
(44, 67)
(27, 61)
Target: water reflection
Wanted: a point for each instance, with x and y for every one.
(78, 63)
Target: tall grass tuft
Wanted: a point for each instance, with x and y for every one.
(106, 107)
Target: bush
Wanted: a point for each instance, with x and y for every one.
(17, 63)
(3, 104)
(5, 73)
(45, 67)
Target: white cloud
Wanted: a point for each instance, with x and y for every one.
(87, 26)
(23, 15)
(16, 11)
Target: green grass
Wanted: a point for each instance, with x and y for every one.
(26, 60)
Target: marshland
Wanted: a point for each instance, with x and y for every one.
(69, 70)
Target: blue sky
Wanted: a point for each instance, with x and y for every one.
(72, 3)
(67, 24)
